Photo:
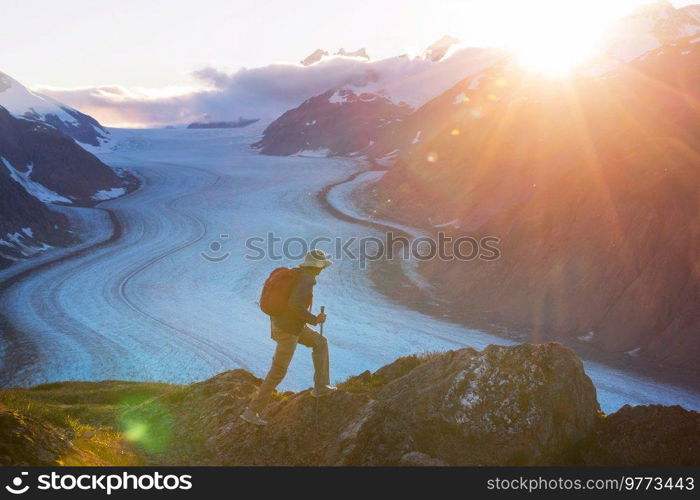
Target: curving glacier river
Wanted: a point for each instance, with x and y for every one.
(174, 298)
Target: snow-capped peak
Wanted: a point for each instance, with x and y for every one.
(319, 54)
(438, 50)
(651, 26)
(23, 103)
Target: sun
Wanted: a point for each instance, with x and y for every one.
(556, 38)
(548, 36)
(546, 53)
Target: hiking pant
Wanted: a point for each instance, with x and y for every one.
(286, 345)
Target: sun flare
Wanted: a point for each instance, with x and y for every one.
(541, 53)
(557, 38)
(550, 36)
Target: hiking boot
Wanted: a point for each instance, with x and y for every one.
(319, 392)
(252, 418)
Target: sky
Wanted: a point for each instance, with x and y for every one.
(160, 62)
(158, 43)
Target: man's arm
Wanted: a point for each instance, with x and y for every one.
(300, 298)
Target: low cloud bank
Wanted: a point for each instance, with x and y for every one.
(268, 91)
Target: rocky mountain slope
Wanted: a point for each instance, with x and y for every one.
(522, 405)
(27, 226)
(338, 122)
(40, 166)
(23, 103)
(644, 31)
(651, 26)
(394, 87)
(592, 186)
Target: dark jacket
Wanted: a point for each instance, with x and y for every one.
(298, 310)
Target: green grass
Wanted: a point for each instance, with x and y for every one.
(102, 419)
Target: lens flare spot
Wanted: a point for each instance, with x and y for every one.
(145, 422)
(501, 82)
(455, 131)
(432, 157)
(136, 431)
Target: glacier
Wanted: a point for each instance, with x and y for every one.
(152, 306)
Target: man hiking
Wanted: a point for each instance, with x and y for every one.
(287, 297)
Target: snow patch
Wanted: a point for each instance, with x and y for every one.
(39, 191)
(314, 153)
(474, 84)
(19, 242)
(588, 337)
(459, 98)
(338, 98)
(416, 139)
(453, 222)
(108, 194)
(388, 160)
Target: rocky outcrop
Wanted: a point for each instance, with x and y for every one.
(505, 405)
(520, 405)
(337, 122)
(651, 435)
(530, 404)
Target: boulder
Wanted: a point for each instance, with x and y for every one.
(519, 405)
(523, 405)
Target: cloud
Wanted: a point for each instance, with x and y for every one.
(268, 91)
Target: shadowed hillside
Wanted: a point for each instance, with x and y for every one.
(592, 186)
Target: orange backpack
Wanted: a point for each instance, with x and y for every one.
(276, 290)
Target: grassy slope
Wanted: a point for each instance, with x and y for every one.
(137, 423)
(94, 416)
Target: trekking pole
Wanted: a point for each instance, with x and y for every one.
(323, 311)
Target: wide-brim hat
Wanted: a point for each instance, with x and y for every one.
(317, 258)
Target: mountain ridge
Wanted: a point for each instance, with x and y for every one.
(39, 167)
(23, 103)
(520, 405)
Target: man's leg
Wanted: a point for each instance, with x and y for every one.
(319, 344)
(286, 345)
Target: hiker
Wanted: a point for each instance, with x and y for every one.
(287, 297)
